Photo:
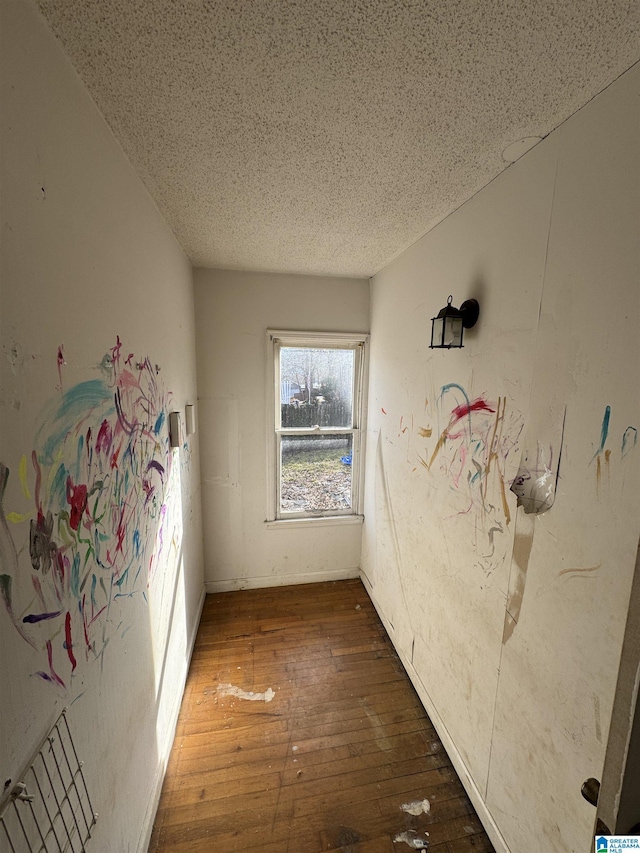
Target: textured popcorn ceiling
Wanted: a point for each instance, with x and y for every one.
(325, 136)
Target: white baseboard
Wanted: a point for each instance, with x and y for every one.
(264, 581)
(156, 790)
(486, 818)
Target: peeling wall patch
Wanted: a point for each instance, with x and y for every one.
(534, 484)
(522, 545)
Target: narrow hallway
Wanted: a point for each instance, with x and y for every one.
(301, 732)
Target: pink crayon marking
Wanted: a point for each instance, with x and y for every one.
(84, 623)
(36, 466)
(54, 675)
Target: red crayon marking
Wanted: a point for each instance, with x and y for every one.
(61, 363)
(464, 409)
(121, 531)
(77, 500)
(115, 351)
(69, 643)
(114, 458)
(105, 437)
(60, 563)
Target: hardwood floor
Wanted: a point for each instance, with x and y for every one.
(323, 749)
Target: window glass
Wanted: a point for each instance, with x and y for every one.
(316, 472)
(316, 387)
(315, 456)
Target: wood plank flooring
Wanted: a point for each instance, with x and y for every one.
(323, 748)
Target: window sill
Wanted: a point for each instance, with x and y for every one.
(321, 521)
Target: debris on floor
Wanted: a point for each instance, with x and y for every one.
(415, 840)
(417, 807)
(230, 690)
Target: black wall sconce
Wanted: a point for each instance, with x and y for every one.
(447, 329)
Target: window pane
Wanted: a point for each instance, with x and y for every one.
(437, 330)
(315, 473)
(453, 331)
(316, 387)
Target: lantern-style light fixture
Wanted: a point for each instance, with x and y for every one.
(447, 329)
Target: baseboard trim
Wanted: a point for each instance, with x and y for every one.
(479, 804)
(154, 800)
(264, 581)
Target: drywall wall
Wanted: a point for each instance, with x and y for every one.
(512, 624)
(233, 312)
(100, 523)
(618, 802)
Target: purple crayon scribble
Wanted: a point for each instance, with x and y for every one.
(34, 618)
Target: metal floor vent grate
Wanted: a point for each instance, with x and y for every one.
(49, 810)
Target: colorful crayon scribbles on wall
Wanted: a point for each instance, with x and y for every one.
(98, 474)
(473, 449)
(601, 452)
(477, 441)
(602, 455)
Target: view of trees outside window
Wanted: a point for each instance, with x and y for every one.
(316, 393)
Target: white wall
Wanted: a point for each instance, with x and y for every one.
(86, 258)
(619, 804)
(511, 625)
(233, 312)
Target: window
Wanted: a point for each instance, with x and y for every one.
(316, 391)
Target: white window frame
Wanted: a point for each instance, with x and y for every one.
(358, 342)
